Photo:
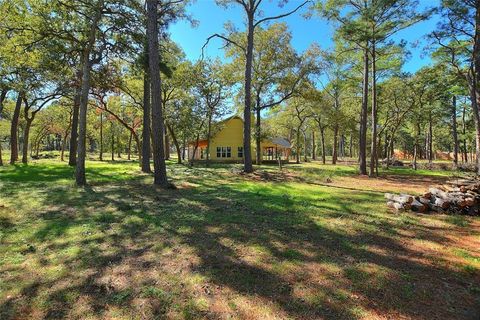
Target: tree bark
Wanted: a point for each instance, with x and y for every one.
(476, 118)
(464, 130)
(247, 153)
(72, 157)
(350, 149)
(473, 85)
(258, 140)
(322, 138)
(119, 147)
(362, 150)
(14, 129)
(209, 134)
(314, 146)
(129, 148)
(64, 140)
(298, 147)
(3, 96)
(175, 142)
(160, 169)
(112, 140)
(415, 148)
(305, 144)
(373, 154)
(101, 137)
(430, 138)
(146, 123)
(80, 177)
(64, 144)
(167, 144)
(454, 131)
(184, 146)
(26, 136)
(335, 145)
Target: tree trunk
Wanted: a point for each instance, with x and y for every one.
(476, 118)
(387, 147)
(184, 146)
(64, 144)
(26, 136)
(476, 82)
(464, 129)
(314, 146)
(335, 144)
(80, 178)
(119, 146)
(415, 148)
(192, 158)
(146, 123)
(175, 142)
(160, 169)
(350, 149)
(3, 95)
(101, 136)
(129, 148)
(430, 139)
(139, 145)
(209, 133)
(72, 157)
(167, 144)
(305, 144)
(322, 138)
(112, 141)
(14, 130)
(373, 154)
(298, 147)
(37, 150)
(454, 131)
(258, 141)
(247, 154)
(363, 118)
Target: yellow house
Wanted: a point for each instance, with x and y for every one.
(226, 144)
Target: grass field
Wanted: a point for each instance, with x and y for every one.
(312, 242)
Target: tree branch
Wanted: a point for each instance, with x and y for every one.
(280, 15)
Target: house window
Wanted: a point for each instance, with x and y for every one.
(240, 152)
(224, 152)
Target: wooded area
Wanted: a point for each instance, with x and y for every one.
(84, 77)
(301, 161)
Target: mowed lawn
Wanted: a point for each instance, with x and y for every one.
(312, 242)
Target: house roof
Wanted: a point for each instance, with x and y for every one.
(281, 142)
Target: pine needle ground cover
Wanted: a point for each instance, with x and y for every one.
(312, 242)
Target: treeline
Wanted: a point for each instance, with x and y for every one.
(104, 76)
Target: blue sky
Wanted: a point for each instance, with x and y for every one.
(212, 18)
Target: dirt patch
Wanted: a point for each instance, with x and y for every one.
(390, 183)
(274, 176)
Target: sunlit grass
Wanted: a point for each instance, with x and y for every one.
(308, 242)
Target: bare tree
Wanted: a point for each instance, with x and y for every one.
(252, 12)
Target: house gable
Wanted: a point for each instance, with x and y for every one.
(229, 135)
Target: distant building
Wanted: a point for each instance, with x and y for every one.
(226, 144)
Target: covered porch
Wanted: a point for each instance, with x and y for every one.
(276, 149)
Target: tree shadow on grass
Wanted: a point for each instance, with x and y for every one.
(135, 250)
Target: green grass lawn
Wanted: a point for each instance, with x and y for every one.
(312, 242)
